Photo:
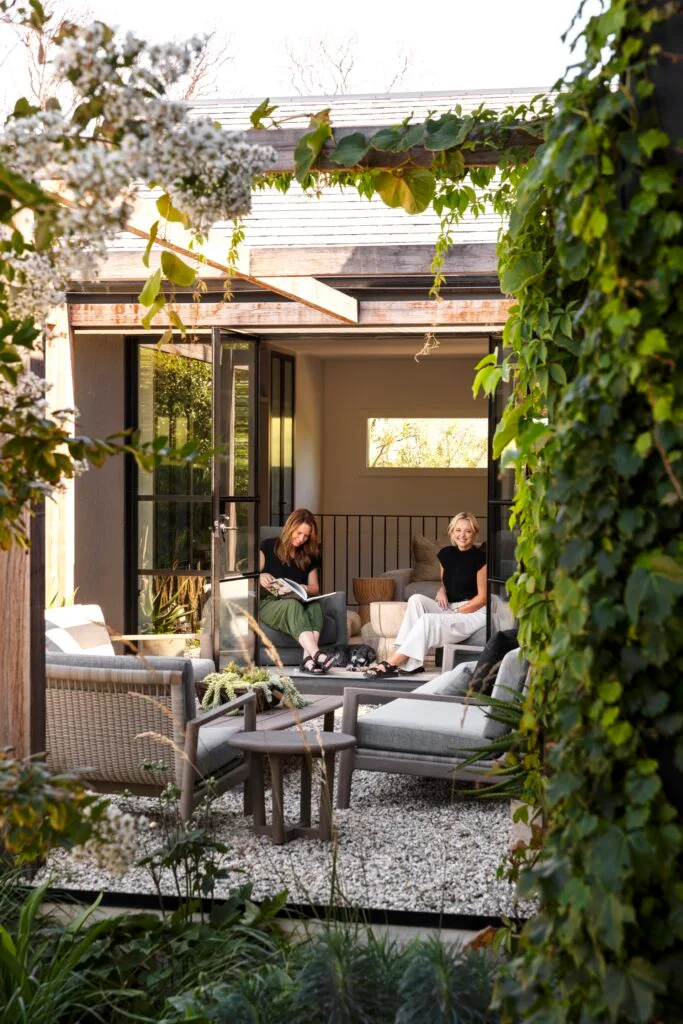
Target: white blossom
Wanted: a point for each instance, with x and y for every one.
(113, 846)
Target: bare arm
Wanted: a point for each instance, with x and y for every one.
(441, 595)
(479, 601)
(312, 585)
(265, 579)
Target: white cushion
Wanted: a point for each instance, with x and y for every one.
(76, 629)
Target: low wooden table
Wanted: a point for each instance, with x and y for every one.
(367, 589)
(306, 745)
(281, 717)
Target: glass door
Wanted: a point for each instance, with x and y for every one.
(234, 531)
(501, 541)
(169, 507)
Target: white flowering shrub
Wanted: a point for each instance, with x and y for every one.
(113, 843)
(75, 176)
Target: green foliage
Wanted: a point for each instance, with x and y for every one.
(41, 810)
(233, 680)
(594, 260)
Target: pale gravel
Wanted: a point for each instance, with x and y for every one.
(405, 843)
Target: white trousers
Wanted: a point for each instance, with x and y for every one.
(425, 625)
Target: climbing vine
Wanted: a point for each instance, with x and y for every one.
(593, 256)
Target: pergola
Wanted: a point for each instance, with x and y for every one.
(303, 301)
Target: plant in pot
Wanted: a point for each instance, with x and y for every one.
(270, 688)
(164, 619)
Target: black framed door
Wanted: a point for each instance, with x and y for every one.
(281, 441)
(235, 499)
(501, 540)
(169, 508)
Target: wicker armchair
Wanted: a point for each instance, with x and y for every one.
(111, 723)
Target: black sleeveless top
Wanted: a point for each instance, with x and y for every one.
(285, 570)
(460, 570)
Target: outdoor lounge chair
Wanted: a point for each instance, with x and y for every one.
(124, 724)
(430, 731)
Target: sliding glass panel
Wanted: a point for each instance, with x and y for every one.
(281, 437)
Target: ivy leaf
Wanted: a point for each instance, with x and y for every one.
(446, 132)
(310, 145)
(170, 213)
(651, 140)
(177, 322)
(158, 304)
(386, 140)
(521, 272)
(150, 289)
(351, 150)
(412, 189)
(150, 242)
(654, 584)
(264, 109)
(176, 270)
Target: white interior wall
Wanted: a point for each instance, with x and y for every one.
(355, 389)
(308, 433)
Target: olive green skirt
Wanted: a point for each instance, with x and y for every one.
(291, 616)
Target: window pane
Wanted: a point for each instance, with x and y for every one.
(236, 544)
(397, 443)
(170, 604)
(174, 534)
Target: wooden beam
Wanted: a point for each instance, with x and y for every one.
(466, 260)
(285, 140)
(423, 313)
(308, 291)
(371, 260)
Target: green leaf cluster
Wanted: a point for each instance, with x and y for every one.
(594, 341)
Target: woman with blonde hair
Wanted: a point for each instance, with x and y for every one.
(294, 555)
(458, 611)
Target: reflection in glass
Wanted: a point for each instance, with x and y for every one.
(170, 603)
(235, 412)
(501, 558)
(237, 603)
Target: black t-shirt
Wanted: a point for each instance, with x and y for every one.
(460, 570)
(285, 570)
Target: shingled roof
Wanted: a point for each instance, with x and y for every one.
(335, 217)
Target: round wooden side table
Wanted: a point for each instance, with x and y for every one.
(277, 746)
(367, 589)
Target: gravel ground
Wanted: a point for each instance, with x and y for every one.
(406, 843)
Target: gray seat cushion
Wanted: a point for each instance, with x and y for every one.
(214, 754)
(427, 588)
(423, 727)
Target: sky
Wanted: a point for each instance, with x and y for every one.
(456, 45)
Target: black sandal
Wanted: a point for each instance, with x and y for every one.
(310, 666)
(327, 661)
(382, 670)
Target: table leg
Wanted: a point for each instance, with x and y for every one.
(278, 800)
(305, 803)
(326, 797)
(256, 790)
(328, 722)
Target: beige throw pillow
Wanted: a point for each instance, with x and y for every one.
(426, 567)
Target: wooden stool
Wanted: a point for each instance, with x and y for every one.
(367, 589)
(277, 746)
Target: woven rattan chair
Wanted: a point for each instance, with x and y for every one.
(114, 724)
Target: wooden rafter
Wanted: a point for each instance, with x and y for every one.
(461, 260)
(285, 140)
(423, 314)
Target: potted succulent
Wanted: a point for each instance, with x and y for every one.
(271, 689)
(163, 617)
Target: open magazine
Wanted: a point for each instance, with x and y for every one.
(284, 586)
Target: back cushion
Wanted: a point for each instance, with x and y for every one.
(77, 629)
(426, 565)
(511, 677)
(489, 661)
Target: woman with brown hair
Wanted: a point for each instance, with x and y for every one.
(458, 611)
(294, 555)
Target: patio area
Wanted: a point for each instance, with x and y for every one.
(405, 844)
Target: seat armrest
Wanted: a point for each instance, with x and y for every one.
(334, 605)
(401, 578)
(449, 652)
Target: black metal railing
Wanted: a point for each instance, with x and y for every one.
(362, 544)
